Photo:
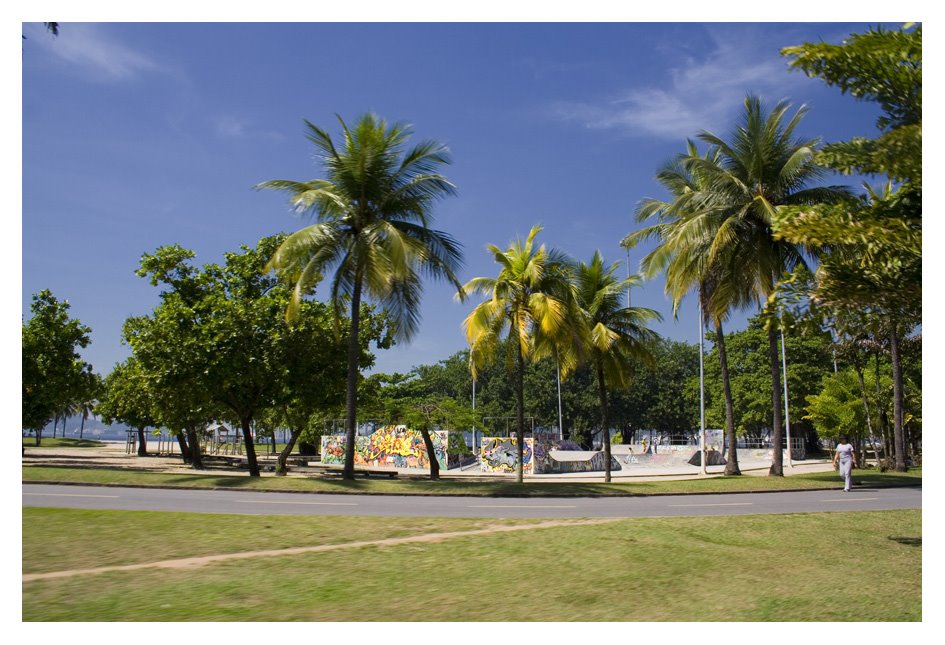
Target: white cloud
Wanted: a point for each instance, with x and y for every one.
(697, 95)
(92, 50)
(233, 127)
(229, 126)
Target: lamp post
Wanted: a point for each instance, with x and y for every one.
(787, 413)
(560, 423)
(702, 470)
(628, 277)
(474, 416)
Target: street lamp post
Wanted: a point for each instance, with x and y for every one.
(787, 412)
(474, 416)
(702, 392)
(560, 423)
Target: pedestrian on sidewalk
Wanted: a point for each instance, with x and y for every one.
(845, 456)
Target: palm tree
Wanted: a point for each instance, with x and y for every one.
(616, 335)
(372, 216)
(762, 167)
(531, 302)
(685, 230)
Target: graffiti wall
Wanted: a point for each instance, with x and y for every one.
(390, 446)
(500, 455)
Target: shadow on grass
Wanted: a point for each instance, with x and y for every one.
(908, 541)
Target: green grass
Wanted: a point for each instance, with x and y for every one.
(841, 566)
(62, 442)
(419, 486)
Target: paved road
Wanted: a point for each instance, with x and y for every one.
(216, 501)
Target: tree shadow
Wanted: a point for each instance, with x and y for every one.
(908, 541)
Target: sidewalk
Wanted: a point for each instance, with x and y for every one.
(113, 455)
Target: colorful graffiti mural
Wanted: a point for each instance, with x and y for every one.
(500, 455)
(394, 447)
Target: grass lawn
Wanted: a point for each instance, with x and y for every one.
(62, 442)
(840, 566)
(420, 486)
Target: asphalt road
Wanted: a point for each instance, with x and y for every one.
(217, 501)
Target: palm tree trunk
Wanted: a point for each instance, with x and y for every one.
(731, 464)
(85, 415)
(898, 398)
(604, 422)
(520, 412)
(354, 352)
(55, 424)
(284, 455)
(777, 458)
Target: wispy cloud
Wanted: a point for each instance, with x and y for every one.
(698, 94)
(92, 50)
(228, 126)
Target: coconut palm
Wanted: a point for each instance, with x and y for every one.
(761, 167)
(373, 212)
(531, 302)
(616, 336)
(685, 231)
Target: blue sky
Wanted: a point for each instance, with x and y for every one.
(137, 135)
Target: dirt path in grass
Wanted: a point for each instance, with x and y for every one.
(191, 563)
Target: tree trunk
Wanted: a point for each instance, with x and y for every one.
(39, 436)
(431, 453)
(82, 426)
(520, 412)
(142, 442)
(284, 455)
(898, 399)
(354, 351)
(184, 448)
(196, 459)
(604, 421)
(55, 425)
(250, 447)
(731, 464)
(777, 458)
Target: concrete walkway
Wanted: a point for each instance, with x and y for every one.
(113, 455)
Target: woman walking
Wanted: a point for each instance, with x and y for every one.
(846, 457)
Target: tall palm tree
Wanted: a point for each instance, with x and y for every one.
(761, 167)
(373, 212)
(531, 302)
(685, 231)
(616, 335)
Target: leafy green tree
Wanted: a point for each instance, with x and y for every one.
(837, 409)
(218, 344)
(532, 302)
(128, 399)
(874, 241)
(373, 213)
(617, 335)
(91, 389)
(809, 359)
(52, 368)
